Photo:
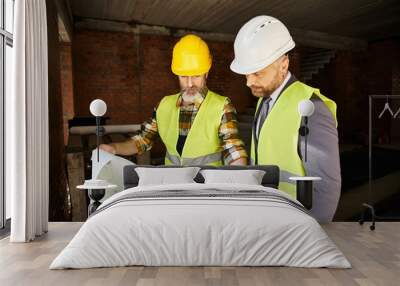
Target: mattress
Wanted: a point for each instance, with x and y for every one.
(200, 225)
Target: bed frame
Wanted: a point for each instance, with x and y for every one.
(270, 179)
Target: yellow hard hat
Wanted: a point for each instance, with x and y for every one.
(191, 56)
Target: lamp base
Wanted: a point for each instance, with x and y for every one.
(305, 193)
(96, 195)
(304, 190)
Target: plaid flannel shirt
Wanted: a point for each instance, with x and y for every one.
(231, 143)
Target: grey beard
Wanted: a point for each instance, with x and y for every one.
(189, 99)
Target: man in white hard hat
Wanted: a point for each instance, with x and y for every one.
(261, 53)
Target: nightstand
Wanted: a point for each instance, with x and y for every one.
(96, 191)
(304, 190)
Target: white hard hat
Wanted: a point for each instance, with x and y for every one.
(260, 42)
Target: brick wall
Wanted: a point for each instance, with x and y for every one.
(350, 77)
(343, 80)
(381, 61)
(295, 61)
(104, 67)
(154, 68)
(222, 80)
(383, 58)
(132, 73)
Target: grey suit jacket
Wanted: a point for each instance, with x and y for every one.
(323, 161)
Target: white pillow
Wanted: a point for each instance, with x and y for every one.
(247, 177)
(166, 176)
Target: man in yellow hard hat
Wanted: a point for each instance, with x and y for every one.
(196, 125)
(261, 48)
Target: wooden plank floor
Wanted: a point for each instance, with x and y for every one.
(375, 257)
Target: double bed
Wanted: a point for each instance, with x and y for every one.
(201, 224)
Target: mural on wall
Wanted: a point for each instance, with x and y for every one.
(135, 74)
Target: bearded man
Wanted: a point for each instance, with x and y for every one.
(196, 125)
(261, 54)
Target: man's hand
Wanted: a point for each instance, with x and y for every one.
(108, 148)
(239, 162)
(126, 148)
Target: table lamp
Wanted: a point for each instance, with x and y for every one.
(98, 108)
(306, 109)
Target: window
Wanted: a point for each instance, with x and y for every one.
(6, 65)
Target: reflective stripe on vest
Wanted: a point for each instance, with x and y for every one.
(202, 145)
(203, 160)
(278, 139)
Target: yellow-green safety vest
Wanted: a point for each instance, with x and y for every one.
(278, 138)
(202, 145)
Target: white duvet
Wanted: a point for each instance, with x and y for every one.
(183, 231)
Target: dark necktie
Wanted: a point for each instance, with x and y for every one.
(263, 115)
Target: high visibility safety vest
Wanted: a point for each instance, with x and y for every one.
(202, 145)
(277, 143)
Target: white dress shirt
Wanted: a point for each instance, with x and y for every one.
(274, 96)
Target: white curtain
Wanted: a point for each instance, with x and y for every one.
(27, 158)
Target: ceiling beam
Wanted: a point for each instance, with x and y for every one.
(328, 41)
(301, 37)
(112, 26)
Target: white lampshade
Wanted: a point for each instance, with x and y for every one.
(306, 107)
(98, 107)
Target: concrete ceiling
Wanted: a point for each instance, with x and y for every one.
(364, 19)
